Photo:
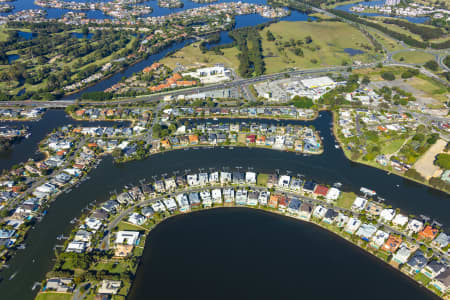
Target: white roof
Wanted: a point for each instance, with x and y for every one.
(400, 220)
(317, 82)
(387, 214)
(333, 194)
(127, 237)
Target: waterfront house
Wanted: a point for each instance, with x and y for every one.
(194, 200)
(228, 196)
(136, 219)
(60, 285)
(433, 269)
(330, 216)
(294, 206)
(359, 204)
(442, 281)
(238, 178)
(192, 180)
(392, 244)
(82, 236)
(320, 190)
(225, 177)
(283, 202)
(341, 220)
(183, 202)
(206, 198)
(379, 238)
(216, 195)
(296, 184)
(100, 214)
(352, 225)
(319, 212)
(241, 197)
(273, 201)
(124, 198)
(110, 206)
(306, 210)
(374, 209)
(250, 177)
(127, 237)
(263, 198)
(214, 178)
(283, 181)
(387, 215)
(417, 262)
(442, 240)
(109, 287)
(402, 255)
(77, 247)
(170, 204)
(333, 194)
(272, 180)
(203, 179)
(93, 224)
(252, 198)
(158, 207)
(414, 226)
(309, 186)
(400, 220)
(428, 233)
(170, 184)
(147, 212)
(366, 231)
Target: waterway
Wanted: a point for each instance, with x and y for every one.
(347, 7)
(27, 148)
(239, 253)
(332, 166)
(241, 21)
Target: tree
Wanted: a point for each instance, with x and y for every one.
(388, 76)
(366, 80)
(432, 65)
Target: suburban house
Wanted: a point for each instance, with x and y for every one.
(392, 244)
(352, 225)
(402, 255)
(428, 233)
(109, 287)
(60, 285)
(379, 239)
(306, 210)
(433, 269)
(366, 231)
(442, 281)
(417, 262)
(359, 204)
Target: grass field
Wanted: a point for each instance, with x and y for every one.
(389, 43)
(53, 296)
(346, 200)
(392, 146)
(329, 39)
(3, 34)
(191, 57)
(413, 57)
(430, 87)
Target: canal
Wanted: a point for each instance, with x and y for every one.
(332, 166)
(240, 253)
(25, 149)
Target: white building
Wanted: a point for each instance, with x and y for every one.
(211, 75)
(379, 239)
(250, 177)
(283, 181)
(127, 237)
(415, 226)
(136, 219)
(400, 220)
(319, 211)
(333, 194)
(387, 215)
(352, 225)
(359, 204)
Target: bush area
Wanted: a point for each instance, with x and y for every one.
(443, 161)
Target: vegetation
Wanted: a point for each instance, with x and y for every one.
(425, 32)
(395, 34)
(248, 41)
(388, 76)
(443, 161)
(413, 57)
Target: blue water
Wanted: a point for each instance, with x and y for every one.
(26, 35)
(12, 58)
(353, 52)
(82, 36)
(347, 7)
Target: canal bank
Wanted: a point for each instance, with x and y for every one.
(332, 166)
(259, 255)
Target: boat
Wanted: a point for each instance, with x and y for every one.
(12, 276)
(367, 191)
(336, 146)
(337, 185)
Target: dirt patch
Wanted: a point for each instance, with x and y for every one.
(425, 166)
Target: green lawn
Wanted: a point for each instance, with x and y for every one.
(329, 39)
(262, 179)
(392, 146)
(413, 57)
(346, 199)
(422, 278)
(126, 226)
(191, 57)
(53, 296)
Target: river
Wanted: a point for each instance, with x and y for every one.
(239, 253)
(25, 149)
(330, 167)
